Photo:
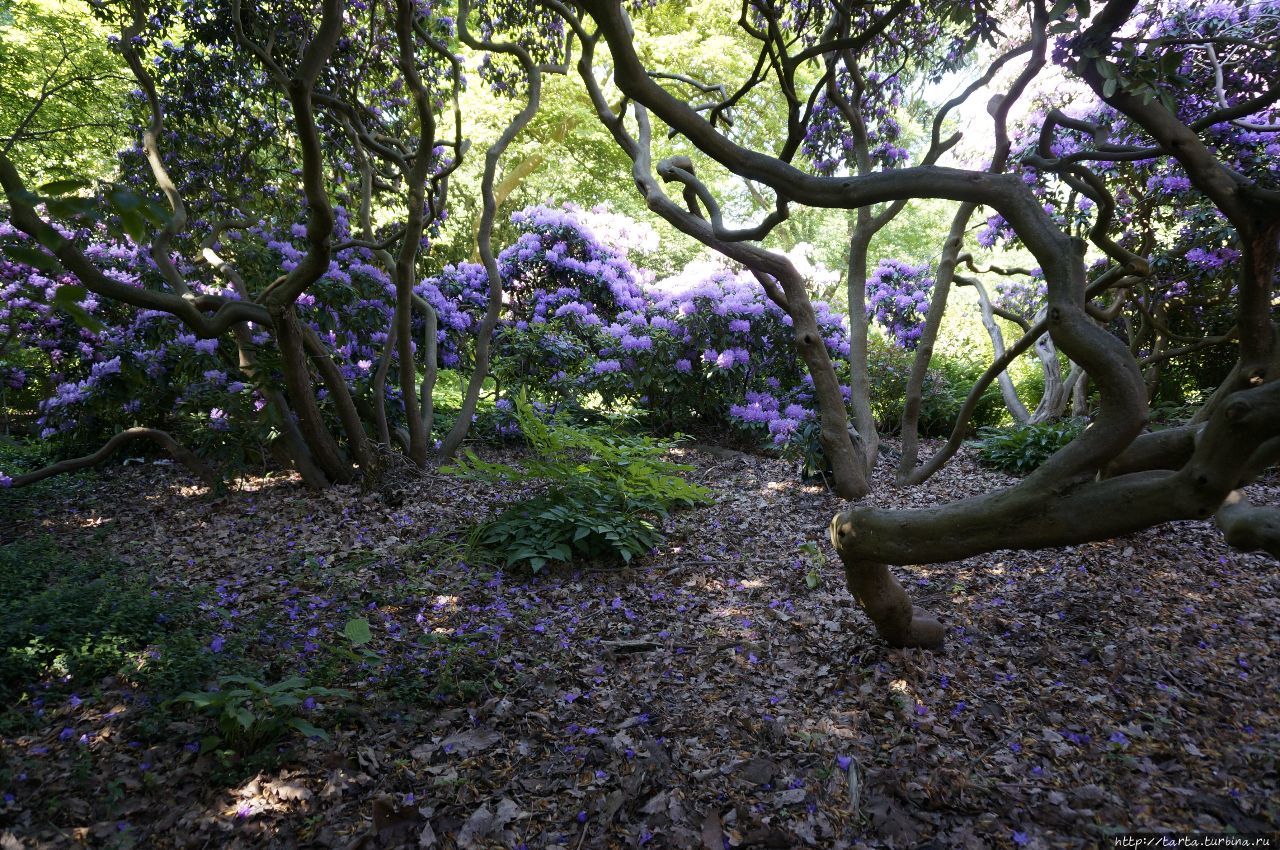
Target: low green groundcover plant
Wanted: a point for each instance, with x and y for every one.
(76, 619)
(251, 714)
(605, 493)
(1021, 448)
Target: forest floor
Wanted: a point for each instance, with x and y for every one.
(724, 692)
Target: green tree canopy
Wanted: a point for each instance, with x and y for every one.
(61, 90)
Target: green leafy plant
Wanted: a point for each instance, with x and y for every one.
(565, 523)
(358, 634)
(250, 714)
(80, 619)
(946, 387)
(604, 493)
(806, 445)
(357, 631)
(1022, 448)
(815, 561)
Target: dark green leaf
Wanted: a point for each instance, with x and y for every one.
(134, 225)
(33, 257)
(243, 716)
(65, 187)
(307, 729)
(67, 209)
(122, 200)
(357, 631)
(156, 213)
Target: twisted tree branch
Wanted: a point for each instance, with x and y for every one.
(178, 452)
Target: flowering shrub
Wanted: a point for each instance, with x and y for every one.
(110, 366)
(459, 295)
(583, 324)
(81, 353)
(733, 353)
(828, 142)
(568, 292)
(703, 346)
(90, 369)
(898, 298)
(927, 45)
(1191, 292)
(1021, 296)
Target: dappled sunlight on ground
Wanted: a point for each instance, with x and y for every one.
(730, 672)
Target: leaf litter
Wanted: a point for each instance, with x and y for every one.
(724, 692)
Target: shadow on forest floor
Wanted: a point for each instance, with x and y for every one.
(707, 695)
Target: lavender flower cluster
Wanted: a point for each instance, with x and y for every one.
(581, 320)
(898, 298)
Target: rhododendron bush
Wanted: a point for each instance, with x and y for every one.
(109, 366)
(582, 325)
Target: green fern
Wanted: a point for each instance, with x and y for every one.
(604, 494)
(1022, 448)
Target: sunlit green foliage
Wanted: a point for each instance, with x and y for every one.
(62, 91)
(605, 493)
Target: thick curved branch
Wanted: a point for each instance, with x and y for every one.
(1167, 449)
(680, 169)
(1040, 512)
(186, 309)
(160, 245)
(416, 221)
(277, 405)
(999, 108)
(1111, 278)
(1253, 212)
(1249, 527)
(773, 271)
(484, 340)
(718, 106)
(1122, 412)
(300, 386)
(320, 218)
(910, 422)
(162, 439)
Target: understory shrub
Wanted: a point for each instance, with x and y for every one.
(585, 325)
(1021, 448)
(946, 386)
(806, 446)
(604, 496)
